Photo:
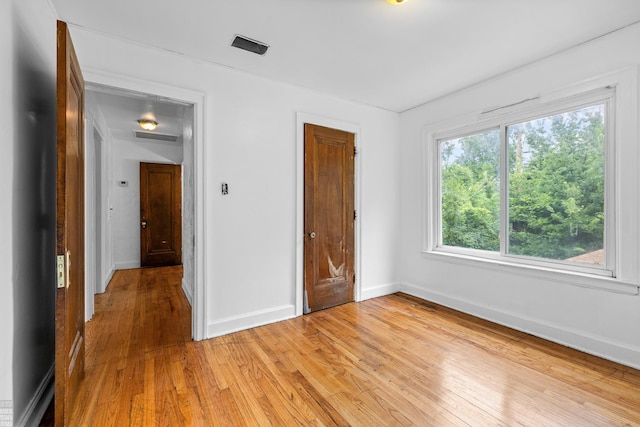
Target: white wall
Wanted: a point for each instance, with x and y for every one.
(125, 227)
(250, 143)
(597, 321)
(6, 187)
(28, 212)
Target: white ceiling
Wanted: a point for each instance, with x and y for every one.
(121, 110)
(393, 57)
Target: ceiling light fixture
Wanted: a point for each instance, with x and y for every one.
(147, 124)
(396, 2)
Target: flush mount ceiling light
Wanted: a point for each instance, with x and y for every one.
(147, 124)
(396, 2)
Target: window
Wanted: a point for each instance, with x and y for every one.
(556, 167)
(531, 187)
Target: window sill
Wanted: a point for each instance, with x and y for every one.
(592, 281)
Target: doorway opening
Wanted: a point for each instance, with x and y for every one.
(119, 146)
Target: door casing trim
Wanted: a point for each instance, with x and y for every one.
(197, 99)
(301, 119)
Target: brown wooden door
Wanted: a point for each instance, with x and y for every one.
(69, 364)
(160, 215)
(328, 217)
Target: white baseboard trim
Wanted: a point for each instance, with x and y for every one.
(187, 292)
(596, 346)
(126, 265)
(106, 281)
(379, 291)
(40, 401)
(250, 320)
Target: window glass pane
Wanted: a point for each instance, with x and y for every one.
(556, 186)
(470, 191)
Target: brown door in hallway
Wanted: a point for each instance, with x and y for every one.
(328, 217)
(160, 215)
(69, 357)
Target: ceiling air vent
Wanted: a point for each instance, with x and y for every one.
(245, 43)
(157, 136)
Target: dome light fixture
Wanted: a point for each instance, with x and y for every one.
(396, 2)
(147, 124)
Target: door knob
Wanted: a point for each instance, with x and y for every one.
(312, 235)
(143, 224)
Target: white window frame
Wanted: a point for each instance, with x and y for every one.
(619, 91)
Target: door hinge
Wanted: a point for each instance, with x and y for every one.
(355, 151)
(355, 215)
(60, 271)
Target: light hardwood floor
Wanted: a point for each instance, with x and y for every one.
(395, 360)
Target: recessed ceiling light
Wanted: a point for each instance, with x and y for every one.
(396, 2)
(147, 124)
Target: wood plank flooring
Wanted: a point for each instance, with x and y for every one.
(390, 361)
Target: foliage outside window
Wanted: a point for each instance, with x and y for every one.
(551, 205)
(471, 191)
